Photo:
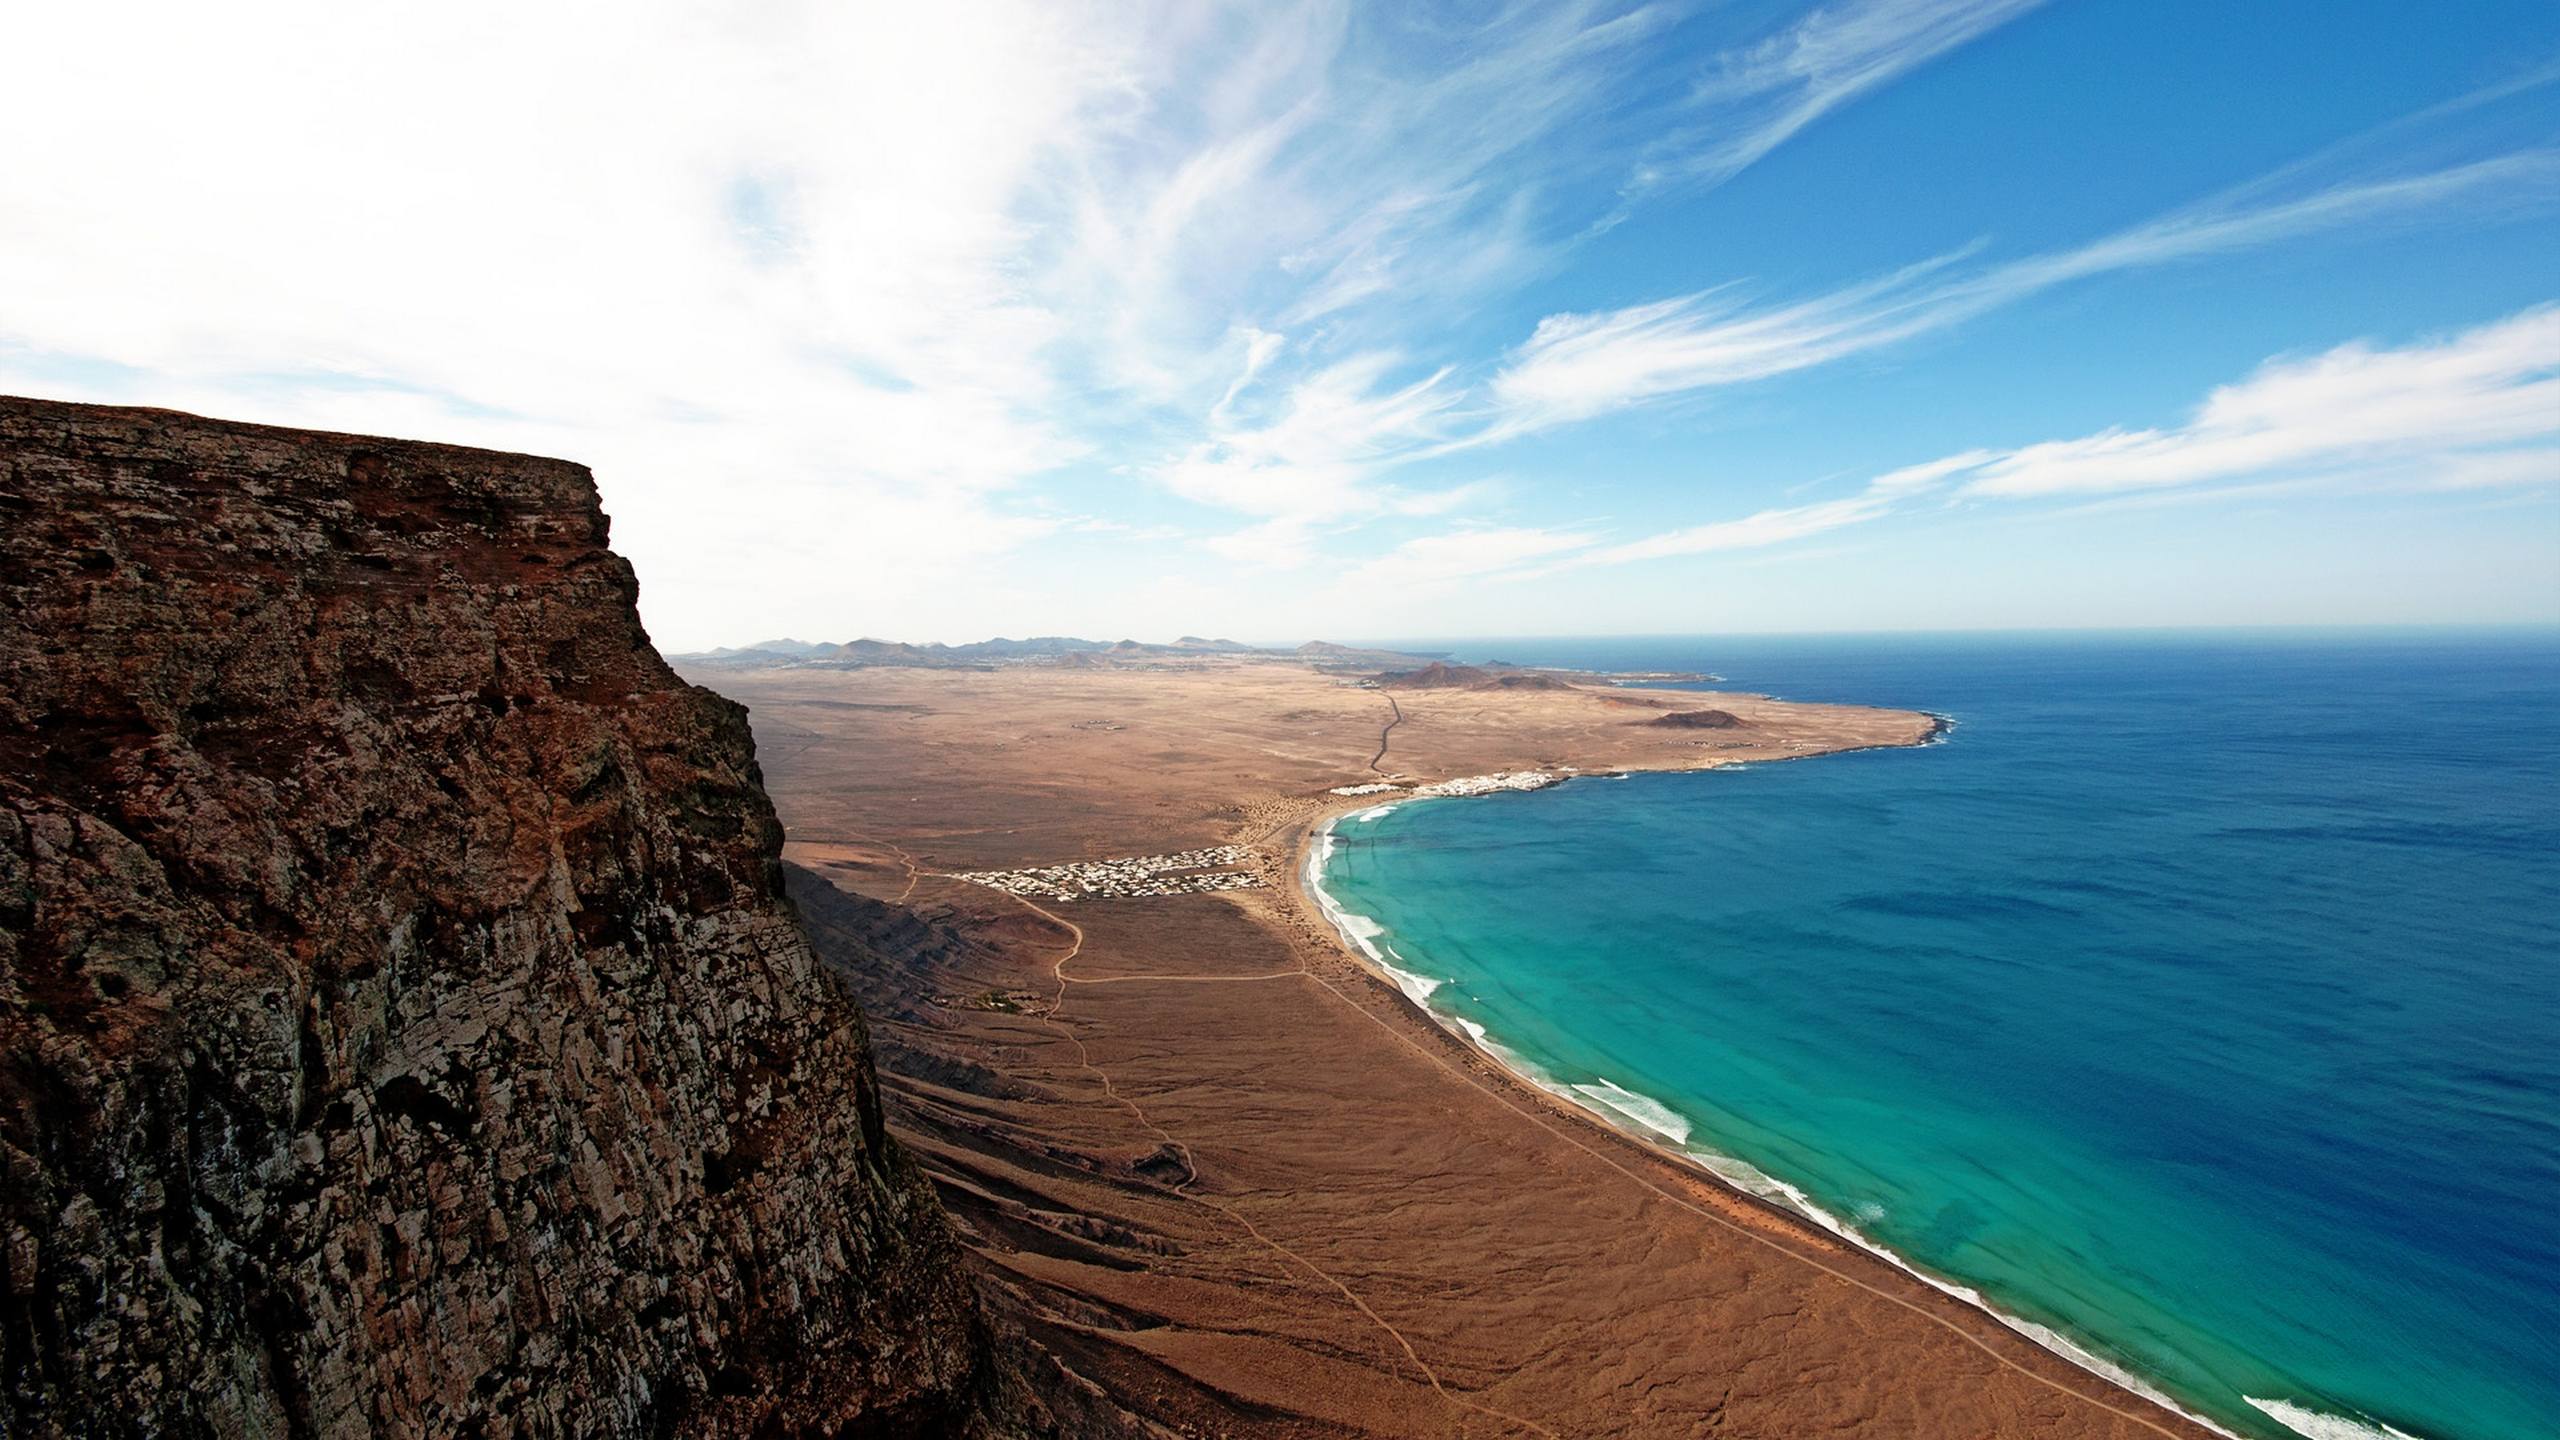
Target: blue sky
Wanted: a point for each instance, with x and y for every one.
(1292, 320)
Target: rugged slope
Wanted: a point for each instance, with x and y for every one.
(402, 1029)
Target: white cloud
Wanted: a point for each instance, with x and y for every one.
(2482, 407)
(1757, 98)
(1314, 457)
(758, 267)
(2478, 410)
(1285, 542)
(910, 258)
(1767, 527)
(1928, 475)
(1312, 167)
(1344, 427)
(2251, 216)
(1313, 468)
(1574, 367)
(1260, 346)
(2494, 470)
(1434, 560)
(828, 295)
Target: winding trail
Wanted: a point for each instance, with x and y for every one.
(1500, 1089)
(1382, 735)
(1503, 1090)
(1191, 1171)
(915, 872)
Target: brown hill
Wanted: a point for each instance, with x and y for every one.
(1439, 675)
(1327, 655)
(1435, 676)
(1698, 720)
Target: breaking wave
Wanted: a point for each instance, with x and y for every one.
(1643, 1110)
(2318, 1426)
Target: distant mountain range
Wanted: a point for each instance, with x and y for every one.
(1037, 650)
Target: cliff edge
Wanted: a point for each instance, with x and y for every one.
(402, 1028)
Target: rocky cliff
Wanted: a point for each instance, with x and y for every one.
(402, 1028)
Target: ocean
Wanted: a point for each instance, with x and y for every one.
(2195, 1000)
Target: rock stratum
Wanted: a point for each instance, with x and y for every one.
(403, 1030)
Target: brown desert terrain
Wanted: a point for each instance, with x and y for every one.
(1224, 1171)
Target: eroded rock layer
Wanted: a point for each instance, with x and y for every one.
(402, 1031)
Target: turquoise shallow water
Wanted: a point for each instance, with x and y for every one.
(2197, 998)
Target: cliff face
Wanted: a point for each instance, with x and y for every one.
(402, 1031)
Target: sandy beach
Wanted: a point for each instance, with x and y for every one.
(1640, 1117)
(1220, 1164)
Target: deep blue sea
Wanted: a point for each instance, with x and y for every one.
(2198, 998)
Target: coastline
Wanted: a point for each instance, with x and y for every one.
(1193, 1066)
(1357, 937)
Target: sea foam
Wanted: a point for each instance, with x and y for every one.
(1751, 1180)
(2326, 1427)
(1417, 988)
(1644, 1110)
(1363, 934)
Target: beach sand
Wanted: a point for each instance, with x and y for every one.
(1219, 1166)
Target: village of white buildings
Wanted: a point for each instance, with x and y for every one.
(1463, 785)
(1185, 872)
(1196, 872)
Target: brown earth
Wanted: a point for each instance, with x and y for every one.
(1230, 1175)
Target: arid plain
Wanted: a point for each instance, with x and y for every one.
(1222, 1169)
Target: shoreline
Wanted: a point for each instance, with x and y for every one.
(1249, 1026)
(1353, 934)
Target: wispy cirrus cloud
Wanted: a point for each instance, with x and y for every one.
(2477, 410)
(1315, 464)
(1782, 524)
(1460, 555)
(1385, 219)
(1345, 429)
(1755, 98)
(820, 263)
(1315, 166)
(1575, 367)
(788, 275)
